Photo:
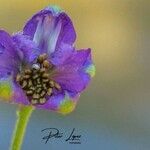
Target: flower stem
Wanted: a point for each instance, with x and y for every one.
(23, 115)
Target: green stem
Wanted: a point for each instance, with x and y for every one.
(23, 115)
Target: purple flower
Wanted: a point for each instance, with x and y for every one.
(40, 66)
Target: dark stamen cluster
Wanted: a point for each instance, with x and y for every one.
(36, 81)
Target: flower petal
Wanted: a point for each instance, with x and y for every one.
(72, 75)
(27, 46)
(68, 104)
(62, 103)
(12, 92)
(53, 102)
(61, 54)
(5, 90)
(9, 57)
(18, 95)
(88, 66)
(50, 29)
(5, 41)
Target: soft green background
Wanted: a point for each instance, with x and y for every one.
(113, 113)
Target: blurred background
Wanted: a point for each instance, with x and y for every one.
(114, 112)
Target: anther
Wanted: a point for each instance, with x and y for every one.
(32, 88)
(24, 84)
(42, 100)
(28, 71)
(35, 76)
(38, 85)
(39, 90)
(45, 75)
(41, 58)
(44, 86)
(26, 76)
(49, 91)
(36, 96)
(43, 93)
(18, 78)
(57, 86)
(42, 70)
(46, 64)
(29, 93)
(38, 80)
(34, 101)
(30, 83)
(51, 83)
(45, 80)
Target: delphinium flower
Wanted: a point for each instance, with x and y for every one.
(40, 66)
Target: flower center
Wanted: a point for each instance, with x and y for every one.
(36, 82)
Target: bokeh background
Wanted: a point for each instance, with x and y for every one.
(114, 112)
